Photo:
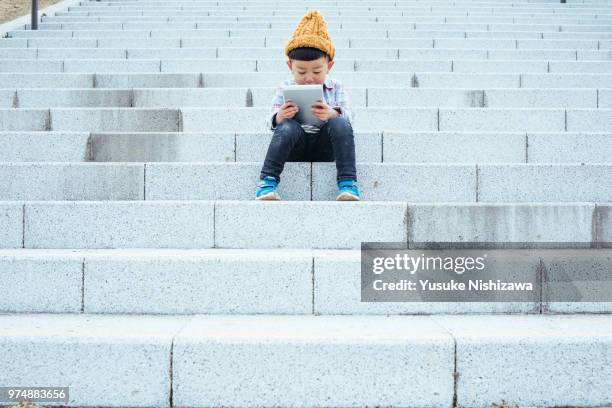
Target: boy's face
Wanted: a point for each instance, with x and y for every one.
(310, 72)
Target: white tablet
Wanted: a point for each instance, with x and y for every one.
(304, 96)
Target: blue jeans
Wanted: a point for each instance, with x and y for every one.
(290, 143)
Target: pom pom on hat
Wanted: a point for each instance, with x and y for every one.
(311, 32)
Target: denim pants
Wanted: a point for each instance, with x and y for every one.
(290, 143)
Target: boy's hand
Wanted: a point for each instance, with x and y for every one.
(323, 111)
(287, 110)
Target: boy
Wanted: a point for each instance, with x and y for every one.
(311, 54)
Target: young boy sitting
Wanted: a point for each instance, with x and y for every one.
(311, 54)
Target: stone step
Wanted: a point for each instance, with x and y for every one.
(121, 119)
(325, 361)
(344, 46)
(538, 60)
(263, 46)
(254, 281)
(335, 16)
(260, 97)
(294, 224)
(478, 64)
(341, 36)
(254, 119)
(534, 4)
(387, 147)
(336, 23)
(447, 80)
(254, 4)
(351, 8)
(379, 15)
(355, 9)
(595, 25)
(392, 9)
(307, 181)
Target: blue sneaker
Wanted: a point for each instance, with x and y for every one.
(348, 191)
(266, 189)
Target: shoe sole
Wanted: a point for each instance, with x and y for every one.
(269, 197)
(347, 197)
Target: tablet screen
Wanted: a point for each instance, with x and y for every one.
(304, 96)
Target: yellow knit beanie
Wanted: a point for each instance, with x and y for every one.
(311, 32)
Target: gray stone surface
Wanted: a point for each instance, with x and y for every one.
(162, 147)
(364, 65)
(26, 119)
(17, 53)
(202, 281)
(11, 224)
(401, 182)
(313, 224)
(395, 119)
(566, 80)
(517, 359)
(544, 182)
(114, 119)
(557, 44)
(32, 65)
(200, 97)
(500, 66)
(604, 224)
(56, 80)
(202, 65)
(77, 53)
(580, 67)
(591, 120)
(451, 80)
(502, 120)
(43, 146)
(605, 98)
(6, 98)
(111, 65)
(121, 42)
(541, 98)
(119, 224)
(72, 181)
(170, 53)
(312, 361)
(222, 181)
(453, 147)
(422, 97)
(84, 353)
(147, 80)
(500, 223)
(570, 147)
(40, 282)
(531, 54)
(42, 98)
(212, 119)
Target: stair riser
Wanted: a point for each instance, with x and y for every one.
(261, 97)
(207, 224)
(247, 283)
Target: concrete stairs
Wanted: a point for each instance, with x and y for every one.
(137, 269)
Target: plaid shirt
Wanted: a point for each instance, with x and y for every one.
(335, 96)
